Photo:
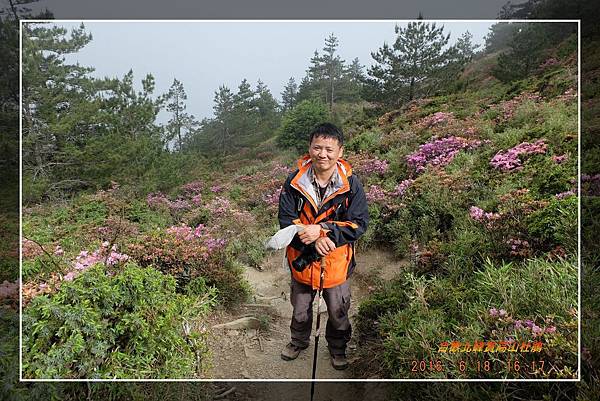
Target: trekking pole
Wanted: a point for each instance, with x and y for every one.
(318, 333)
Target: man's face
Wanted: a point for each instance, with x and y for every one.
(324, 153)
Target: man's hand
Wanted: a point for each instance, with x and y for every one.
(324, 245)
(310, 233)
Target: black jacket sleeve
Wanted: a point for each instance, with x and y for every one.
(288, 212)
(287, 204)
(357, 216)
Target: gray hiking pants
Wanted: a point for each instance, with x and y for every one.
(338, 330)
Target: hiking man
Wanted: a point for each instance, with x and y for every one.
(328, 201)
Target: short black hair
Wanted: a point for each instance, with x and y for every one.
(327, 130)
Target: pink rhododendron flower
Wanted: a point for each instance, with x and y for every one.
(509, 160)
(198, 231)
(375, 194)
(559, 159)
(194, 187)
(435, 119)
(181, 232)
(216, 189)
(157, 199)
(373, 166)
(564, 195)
(272, 199)
(480, 215)
(69, 276)
(402, 187)
(440, 152)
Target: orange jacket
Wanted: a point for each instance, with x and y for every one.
(344, 212)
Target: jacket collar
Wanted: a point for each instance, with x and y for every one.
(302, 181)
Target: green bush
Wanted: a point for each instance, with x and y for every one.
(390, 297)
(367, 141)
(409, 318)
(128, 325)
(556, 225)
(299, 121)
(533, 288)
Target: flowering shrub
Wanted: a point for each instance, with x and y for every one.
(590, 184)
(185, 233)
(193, 188)
(435, 119)
(440, 152)
(371, 166)
(509, 160)
(559, 159)
(187, 253)
(216, 189)
(219, 206)
(480, 215)
(115, 228)
(517, 329)
(401, 188)
(83, 261)
(519, 247)
(375, 194)
(197, 200)
(272, 198)
(112, 257)
(565, 194)
(157, 200)
(179, 205)
(279, 169)
(507, 108)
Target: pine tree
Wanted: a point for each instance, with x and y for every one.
(351, 87)
(52, 93)
(243, 119)
(244, 98)
(526, 50)
(180, 122)
(325, 76)
(223, 108)
(267, 108)
(80, 131)
(288, 96)
(499, 36)
(418, 54)
(313, 84)
(458, 56)
(332, 67)
(465, 47)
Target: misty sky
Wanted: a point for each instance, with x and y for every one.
(206, 54)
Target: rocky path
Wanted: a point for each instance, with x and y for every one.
(254, 353)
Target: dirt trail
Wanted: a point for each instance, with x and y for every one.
(255, 354)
